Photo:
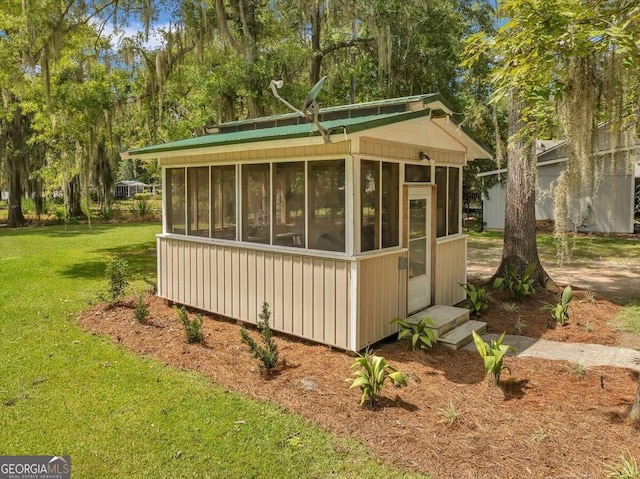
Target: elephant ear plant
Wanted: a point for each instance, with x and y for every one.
(492, 355)
(372, 372)
(420, 333)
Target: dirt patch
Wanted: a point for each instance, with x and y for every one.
(545, 421)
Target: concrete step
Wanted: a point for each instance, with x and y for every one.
(445, 318)
(461, 336)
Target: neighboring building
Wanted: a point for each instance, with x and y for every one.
(128, 188)
(611, 210)
(339, 237)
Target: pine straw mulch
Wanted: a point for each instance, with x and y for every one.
(591, 319)
(543, 422)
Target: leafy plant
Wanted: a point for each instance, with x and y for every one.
(560, 311)
(511, 308)
(60, 214)
(117, 273)
(626, 469)
(267, 354)
(420, 333)
(590, 297)
(518, 286)
(372, 373)
(141, 207)
(519, 325)
(192, 327)
(107, 212)
(587, 327)
(449, 414)
(579, 370)
(141, 311)
(492, 355)
(478, 298)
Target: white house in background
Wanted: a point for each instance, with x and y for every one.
(339, 237)
(128, 188)
(611, 210)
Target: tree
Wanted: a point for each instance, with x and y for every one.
(580, 57)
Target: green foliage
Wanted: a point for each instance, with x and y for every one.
(59, 214)
(142, 196)
(478, 298)
(141, 311)
(578, 369)
(420, 333)
(141, 208)
(518, 286)
(560, 311)
(267, 354)
(117, 273)
(192, 327)
(107, 212)
(492, 355)
(519, 325)
(449, 414)
(629, 317)
(627, 468)
(372, 372)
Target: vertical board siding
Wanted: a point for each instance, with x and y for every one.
(451, 271)
(308, 296)
(381, 297)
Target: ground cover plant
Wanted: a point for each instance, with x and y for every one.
(64, 391)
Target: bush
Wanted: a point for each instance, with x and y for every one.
(492, 355)
(141, 312)
(192, 327)
(142, 196)
(142, 208)
(372, 373)
(267, 354)
(560, 312)
(420, 332)
(117, 273)
(107, 212)
(518, 286)
(60, 214)
(478, 298)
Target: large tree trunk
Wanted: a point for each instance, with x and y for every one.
(16, 218)
(73, 194)
(520, 248)
(634, 415)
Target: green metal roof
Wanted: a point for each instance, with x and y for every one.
(350, 125)
(429, 97)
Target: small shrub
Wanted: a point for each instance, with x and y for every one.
(478, 298)
(192, 327)
(560, 312)
(142, 208)
(59, 214)
(267, 354)
(590, 297)
(142, 196)
(117, 273)
(420, 333)
(107, 212)
(449, 414)
(141, 311)
(519, 325)
(626, 469)
(492, 355)
(518, 286)
(579, 370)
(372, 372)
(511, 308)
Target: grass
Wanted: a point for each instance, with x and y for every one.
(585, 248)
(64, 391)
(629, 317)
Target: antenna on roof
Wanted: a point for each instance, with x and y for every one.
(309, 109)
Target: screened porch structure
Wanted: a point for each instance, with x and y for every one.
(339, 237)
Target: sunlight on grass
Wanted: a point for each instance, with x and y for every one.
(64, 391)
(629, 317)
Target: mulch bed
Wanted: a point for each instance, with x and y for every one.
(544, 421)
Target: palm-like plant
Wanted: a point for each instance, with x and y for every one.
(372, 373)
(492, 355)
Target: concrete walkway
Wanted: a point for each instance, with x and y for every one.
(585, 354)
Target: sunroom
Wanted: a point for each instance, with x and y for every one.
(339, 237)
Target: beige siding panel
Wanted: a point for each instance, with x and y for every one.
(309, 297)
(405, 151)
(298, 297)
(451, 271)
(379, 281)
(318, 299)
(293, 152)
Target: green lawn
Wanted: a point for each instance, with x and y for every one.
(63, 391)
(584, 248)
